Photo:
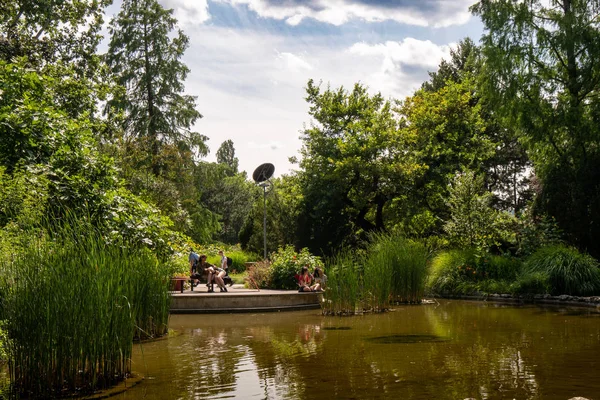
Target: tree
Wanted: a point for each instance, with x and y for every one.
(450, 134)
(507, 170)
(474, 222)
(226, 156)
(353, 164)
(144, 55)
(542, 73)
(51, 31)
(282, 216)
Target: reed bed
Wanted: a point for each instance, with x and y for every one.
(73, 305)
(343, 284)
(393, 269)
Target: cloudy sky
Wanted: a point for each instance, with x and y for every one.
(250, 60)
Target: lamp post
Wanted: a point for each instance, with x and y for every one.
(264, 185)
(261, 176)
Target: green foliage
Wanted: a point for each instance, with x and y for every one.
(229, 198)
(569, 271)
(282, 217)
(147, 63)
(226, 156)
(353, 164)
(23, 197)
(286, 262)
(536, 232)
(49, 32)
(343, 284)
(468, 271)
(448, 131)
(73, 304)
(531, 283)
(449, 269)
(474, 222)
(541, 75)
(393, 269)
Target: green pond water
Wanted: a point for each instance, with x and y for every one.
(454, 350)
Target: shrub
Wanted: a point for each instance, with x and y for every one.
(569, 271)
(497, 267)
(259, 275)
(468, 271)
(285, 263)
(531, 283)
(450, 269)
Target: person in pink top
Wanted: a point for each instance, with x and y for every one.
(305, 280)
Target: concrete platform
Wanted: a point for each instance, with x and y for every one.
(239, 299)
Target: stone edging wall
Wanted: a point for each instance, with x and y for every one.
(592, 301)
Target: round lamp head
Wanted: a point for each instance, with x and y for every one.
(263, 172)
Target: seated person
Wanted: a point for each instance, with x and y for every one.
(215, 274)
(305, 280)
(320, 277)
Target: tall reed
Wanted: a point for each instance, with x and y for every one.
(73, 305)
(395, 269)
(343, 284)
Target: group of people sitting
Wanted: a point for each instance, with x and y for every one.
(214, 275)
(305, 280)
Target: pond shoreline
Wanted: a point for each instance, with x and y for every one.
(546, 299)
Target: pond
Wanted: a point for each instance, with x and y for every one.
(452, 350)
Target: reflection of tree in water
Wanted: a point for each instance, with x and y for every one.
(507, 352)
(484, 352)
(218, 357)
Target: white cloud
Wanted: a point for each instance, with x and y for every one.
(188, 11)
(250, 85)
(436, 13)
(409, 51)
(293, 62)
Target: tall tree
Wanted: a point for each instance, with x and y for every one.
(542, 71)
(507, 173)
(450, 134)
(50, 31)
(144, 54)
(226, 156)
(353, 164)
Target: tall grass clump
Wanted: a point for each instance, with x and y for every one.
(73, 304)
(343, 294)
(395, 270)
(449, 271)
(568, 271)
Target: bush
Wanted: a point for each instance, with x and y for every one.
(259, 275)
(450, 269)
(502, 268)
(531, 283)
(285, 263)
(468, 271)
(569, 271)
